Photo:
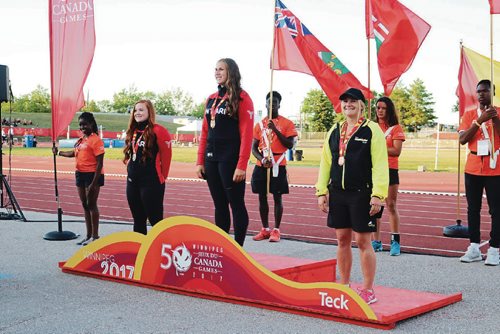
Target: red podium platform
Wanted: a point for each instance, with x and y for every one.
(190, 256)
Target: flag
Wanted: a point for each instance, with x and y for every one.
(72, 44)
(494, 6)
(398, 33)
(475, 67)
(297, 49)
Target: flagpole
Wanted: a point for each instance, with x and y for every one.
(492, 88)
(458, 230)
(270, 110)
(369, 82)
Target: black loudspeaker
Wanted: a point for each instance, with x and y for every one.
(4, 84)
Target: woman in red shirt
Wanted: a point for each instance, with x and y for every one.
(388, 121)
(225, 144)
(89, 154)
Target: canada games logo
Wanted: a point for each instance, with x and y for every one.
(182, 259)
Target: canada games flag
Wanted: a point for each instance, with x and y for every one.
(494, 6)
(72, 44)
(297, 49)
(398, 33)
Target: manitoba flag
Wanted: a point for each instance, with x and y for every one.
(297, 49)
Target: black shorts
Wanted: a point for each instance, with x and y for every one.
(278, 185)
(84, 179)
(351, 209)
(393, 176)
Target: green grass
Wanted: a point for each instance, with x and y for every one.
(110, 122)
(411, 158)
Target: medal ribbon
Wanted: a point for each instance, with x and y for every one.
(344, 137)
(215, 106)
(135, 144)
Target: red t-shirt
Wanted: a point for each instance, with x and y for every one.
(285, 126)
(479, 165)
(396, 133)
(86, 151)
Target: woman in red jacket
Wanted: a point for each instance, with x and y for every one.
(225, 144)
(148, 153)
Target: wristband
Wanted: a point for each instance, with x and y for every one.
(380, 198)
(263, 161)
(475, 122)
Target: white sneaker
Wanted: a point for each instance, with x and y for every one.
(492, 257)
(473, 254)
(88, 241)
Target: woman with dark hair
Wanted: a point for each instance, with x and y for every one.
(89, 154)
(394, 136)
(148, 153)
(225, 144)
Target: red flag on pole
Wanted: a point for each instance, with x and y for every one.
(72, 44)
(494, 6)
(398, 33)
(297, 49)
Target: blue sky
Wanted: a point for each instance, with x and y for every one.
(163, 44)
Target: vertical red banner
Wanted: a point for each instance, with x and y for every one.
(72, 44)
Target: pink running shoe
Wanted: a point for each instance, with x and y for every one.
(262, 235)
(367, 295)
(275, 236)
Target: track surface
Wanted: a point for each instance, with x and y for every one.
(427, 202)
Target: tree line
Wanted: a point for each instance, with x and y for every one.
(414, 104)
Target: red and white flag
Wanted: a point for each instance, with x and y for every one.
(72, 44)
(398, 33)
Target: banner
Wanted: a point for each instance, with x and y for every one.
(475, 67)
(72, 44)
(494, 6)
(398, 33)
(297, 49)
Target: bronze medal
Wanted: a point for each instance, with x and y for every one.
(341, 161)
(212, 123)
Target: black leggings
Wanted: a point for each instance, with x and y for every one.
(225, 192)
(145, 200)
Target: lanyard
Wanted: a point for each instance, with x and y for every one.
(344, 139)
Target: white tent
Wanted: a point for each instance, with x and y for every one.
(193, 128)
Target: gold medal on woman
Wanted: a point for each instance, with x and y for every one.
(212, 123)
(134, 156)
(341, 161)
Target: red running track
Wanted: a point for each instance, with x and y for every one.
(423, 214)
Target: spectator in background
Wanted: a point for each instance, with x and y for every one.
(89, 155)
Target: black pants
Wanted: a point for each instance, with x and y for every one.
(474, 185)
(225, 192)
(145, 199)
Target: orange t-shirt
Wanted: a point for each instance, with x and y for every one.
(285, 126)
(86, 151)
(479, 165)
(396, 133)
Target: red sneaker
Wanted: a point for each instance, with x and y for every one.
(367, 295)
(263, 234)
(275, 235)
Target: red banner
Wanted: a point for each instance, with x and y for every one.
(297, 49)
(72, 44)
(398, 33)
(494, 6)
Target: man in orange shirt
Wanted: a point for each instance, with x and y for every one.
(480, 129)
(271, 139)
